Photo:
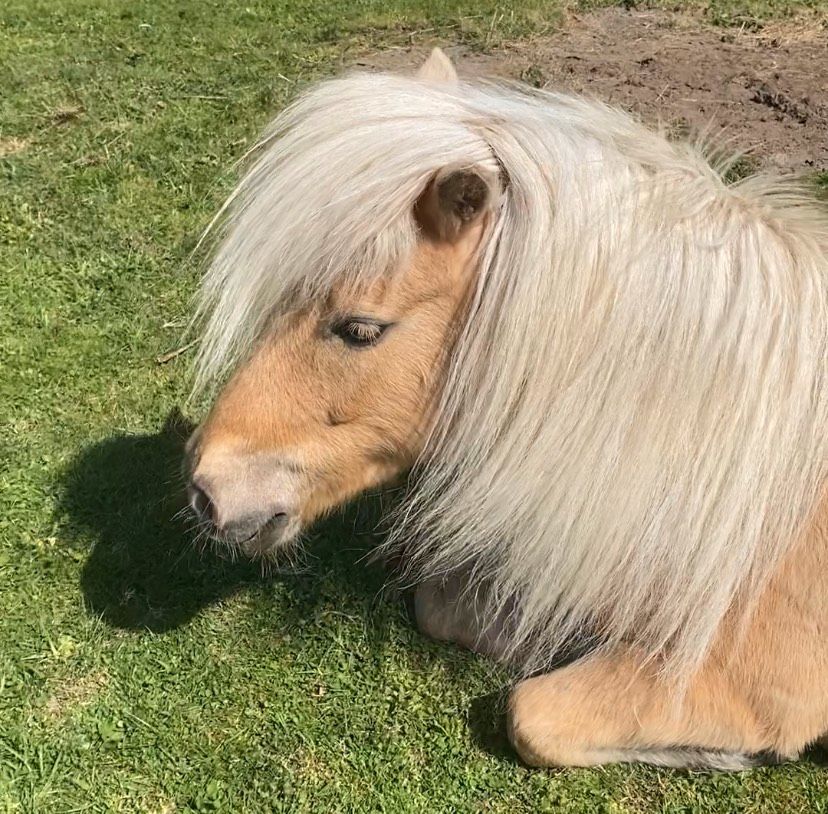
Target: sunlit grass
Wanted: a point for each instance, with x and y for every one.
(135, 675)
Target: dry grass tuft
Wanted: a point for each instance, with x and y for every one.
(10, 145)
(74, 693)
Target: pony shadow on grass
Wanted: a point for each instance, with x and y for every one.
(144, 572)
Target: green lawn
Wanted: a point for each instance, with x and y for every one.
(134, 674)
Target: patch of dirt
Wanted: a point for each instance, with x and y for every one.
(72, 694)
(767, 91)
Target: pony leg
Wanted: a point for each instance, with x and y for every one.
(447, 610)
(610, 709)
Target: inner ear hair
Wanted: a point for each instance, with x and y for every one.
(452, 202)
(463, 194)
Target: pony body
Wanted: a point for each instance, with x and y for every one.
(615, 421)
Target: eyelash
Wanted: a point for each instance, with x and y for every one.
(359, 333)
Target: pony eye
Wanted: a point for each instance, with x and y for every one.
(359, 333)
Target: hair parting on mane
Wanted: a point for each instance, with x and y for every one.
(632, 433)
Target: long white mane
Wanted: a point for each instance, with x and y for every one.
(634, 426)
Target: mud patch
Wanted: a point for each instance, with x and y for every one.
(765, 92)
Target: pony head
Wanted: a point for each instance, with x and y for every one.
(337, 390)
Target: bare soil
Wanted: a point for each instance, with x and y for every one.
(766, 91)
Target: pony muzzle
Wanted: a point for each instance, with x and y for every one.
(246, 501)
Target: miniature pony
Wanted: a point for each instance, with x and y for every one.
(601, 370)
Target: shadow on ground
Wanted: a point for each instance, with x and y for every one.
(143, 572)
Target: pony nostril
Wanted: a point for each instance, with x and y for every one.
(279, 519)
(201, 504)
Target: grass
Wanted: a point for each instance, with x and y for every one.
(135, 676)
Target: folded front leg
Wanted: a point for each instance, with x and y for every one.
(608, 709)
(453, 610)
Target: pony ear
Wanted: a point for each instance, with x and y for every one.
(438, 68)
(452, 202)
